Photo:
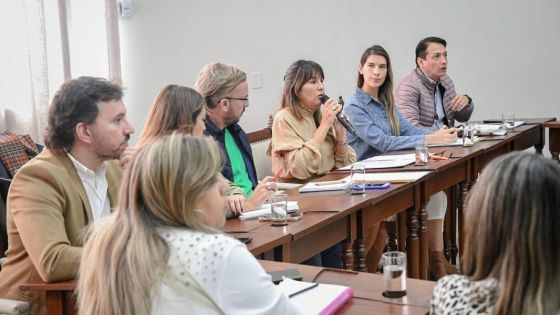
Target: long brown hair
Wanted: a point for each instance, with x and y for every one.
(124, 257)
(174, 109)
(296, 76)
(386, 89)
(512, 233)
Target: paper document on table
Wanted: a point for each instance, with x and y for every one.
(316, 299)
(330, 185)
(265, 209)
(385, 161)
(392, 177)
(490, 130)
(458, 142)
(516, 124)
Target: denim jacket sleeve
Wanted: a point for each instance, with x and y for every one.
(373, 129)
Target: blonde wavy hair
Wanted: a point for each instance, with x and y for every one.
(216, 79)
(512, 233)
(125, 258)
(175, 108)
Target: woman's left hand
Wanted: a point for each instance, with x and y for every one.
(339, 128)
(126, 157)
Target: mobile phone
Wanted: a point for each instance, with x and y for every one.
(492, 121)
(244, 240)
(278, 276)
(378, 186)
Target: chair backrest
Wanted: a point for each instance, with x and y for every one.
(260, 140)
(4, 187)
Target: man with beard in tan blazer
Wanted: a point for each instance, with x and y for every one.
(74, 182)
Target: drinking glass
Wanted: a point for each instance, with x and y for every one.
(394, 274)
(468, 135)
(279, 209)
(422, 154)
(357, 179)
(508, 119)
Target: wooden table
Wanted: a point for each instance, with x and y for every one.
(368, 288)
(554, 138)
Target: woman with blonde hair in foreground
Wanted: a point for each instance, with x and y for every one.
(511, 261)
(161, 251)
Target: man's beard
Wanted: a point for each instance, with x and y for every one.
(105, 154)
(231, 119)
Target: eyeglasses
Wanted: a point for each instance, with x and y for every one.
(246, 99)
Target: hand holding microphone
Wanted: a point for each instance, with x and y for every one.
(341, 118)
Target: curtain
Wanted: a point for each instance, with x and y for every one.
(45, 43)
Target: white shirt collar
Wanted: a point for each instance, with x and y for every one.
(84, 172)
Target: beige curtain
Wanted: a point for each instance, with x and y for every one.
(46, 43)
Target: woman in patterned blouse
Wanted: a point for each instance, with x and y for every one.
(511, 260)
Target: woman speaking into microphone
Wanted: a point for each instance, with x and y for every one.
(307, 139)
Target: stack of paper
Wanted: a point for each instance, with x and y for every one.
(265, 209)
(311, 298)
(385, 161)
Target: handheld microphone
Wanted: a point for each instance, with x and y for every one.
(342, 119)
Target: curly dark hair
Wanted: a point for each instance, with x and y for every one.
(76, 101)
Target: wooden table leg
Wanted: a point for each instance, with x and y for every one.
(454, 208)
(401, 231)
(423, 235)
(55, 305)
(465, 188)
(348, 262)
(412, 244)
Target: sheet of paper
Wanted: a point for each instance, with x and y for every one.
(393, 177)
(458, 142)
(385, 161)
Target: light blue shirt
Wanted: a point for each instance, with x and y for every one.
(373, 130)
(438, 100)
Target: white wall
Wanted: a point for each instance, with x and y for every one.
(505, 54)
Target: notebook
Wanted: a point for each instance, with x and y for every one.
(265, 209)
(326, 185)
(321, 299)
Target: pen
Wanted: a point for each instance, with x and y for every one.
(276, 175)
(314, 285)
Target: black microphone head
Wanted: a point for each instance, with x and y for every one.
(324, 98)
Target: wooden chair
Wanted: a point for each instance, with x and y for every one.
(11, 307)
(260, 141)
(5, 182)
